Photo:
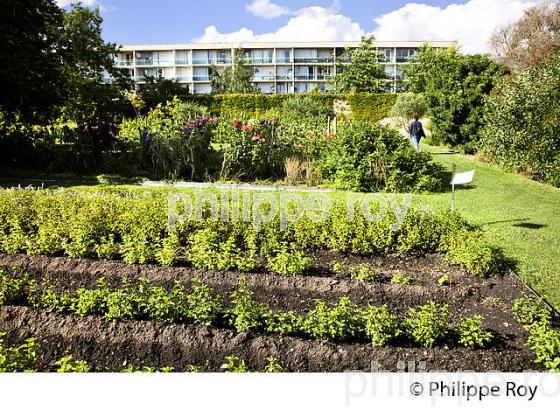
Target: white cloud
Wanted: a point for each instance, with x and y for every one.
(266, 9)
(307, 24)
(471, 24)
(64, 3)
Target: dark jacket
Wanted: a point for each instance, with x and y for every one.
(417, 129)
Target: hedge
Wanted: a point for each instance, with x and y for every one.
(367, 107)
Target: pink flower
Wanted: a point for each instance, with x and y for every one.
(330, 137)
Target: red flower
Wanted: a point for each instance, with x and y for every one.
(258, 137)
(330, 137)
(235, 123)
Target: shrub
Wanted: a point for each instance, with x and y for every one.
(380, 325)
(363, 273)
(427, 324)
(400, 279)
(12, 290)
(285, 323)
(288, 263)
(246, 314)
(545, 342)
(471, 333)
(528, 310)
(522, 117)
(342, 322)
(407, 107)
(368, 157)
(473, 252)
(203, 307)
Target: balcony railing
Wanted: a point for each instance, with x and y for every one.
(405, 59)
(314, 60)
(204, 61)
(284, 61)
(385, 59)
(284, 77)
(199, 78)
(264, 78)
(128, 63)
(181, 62)
(250, 60)
(183, 79)
(318, 77)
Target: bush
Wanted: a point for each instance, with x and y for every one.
(428, 324)
(380, 325)
(368, 157)
(528, 310)
(288, 263)
(246, 314)
(471, 333)
(342, 322)
(522, 117)
(18, 359)
(400, 279)
(407, 107)
(472, 251)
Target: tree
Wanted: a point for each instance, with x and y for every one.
(522, 117)
(407, 107)
(236, 80)
(363, 74)
(95, 86)
(159, 90)
(455, 87)
(533, 38)
(31, 69)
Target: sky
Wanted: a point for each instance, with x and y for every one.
(470, 22)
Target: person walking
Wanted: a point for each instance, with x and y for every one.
(416, 133)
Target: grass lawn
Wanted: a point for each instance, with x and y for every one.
(517, 214)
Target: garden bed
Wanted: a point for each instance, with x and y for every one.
(107, 345)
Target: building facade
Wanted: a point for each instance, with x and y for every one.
(278, 67)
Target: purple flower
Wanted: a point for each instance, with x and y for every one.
(94, 127)
(145, 132)
(147, 139)
(164, 123)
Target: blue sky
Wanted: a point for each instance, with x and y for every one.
(470, 22)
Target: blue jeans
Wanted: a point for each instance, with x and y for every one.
(416, 141)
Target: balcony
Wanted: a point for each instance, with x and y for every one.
(284, 61)
(264, 78)
(385, 59)
(181, 62)
(128, 63)
(211, 61)
(284, 77)
(145, 62)
(197, 78)
(184, 79)
(250, 60)
(315, 60)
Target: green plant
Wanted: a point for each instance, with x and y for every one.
(380, 325)
(528, 310)
(363, 273)
(342, 322)
(369, 157)
(522, 122)
(284, 323)
(471, 333)
(234, 365)
(545, 342)
(444, 281)
(22, 358)
(337, 267)
(12, 290)
(400, 279)
(246, 314)
(427, 324)
(472, 251)
(272, 365)
(203, 307)
(288, 263)
(67, 365)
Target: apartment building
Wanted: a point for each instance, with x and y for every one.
(278, 67)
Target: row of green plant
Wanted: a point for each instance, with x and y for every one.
(544, 340)
(345, 322)
(25, 358)
(135, 227)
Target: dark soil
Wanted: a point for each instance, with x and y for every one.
(111, 346)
